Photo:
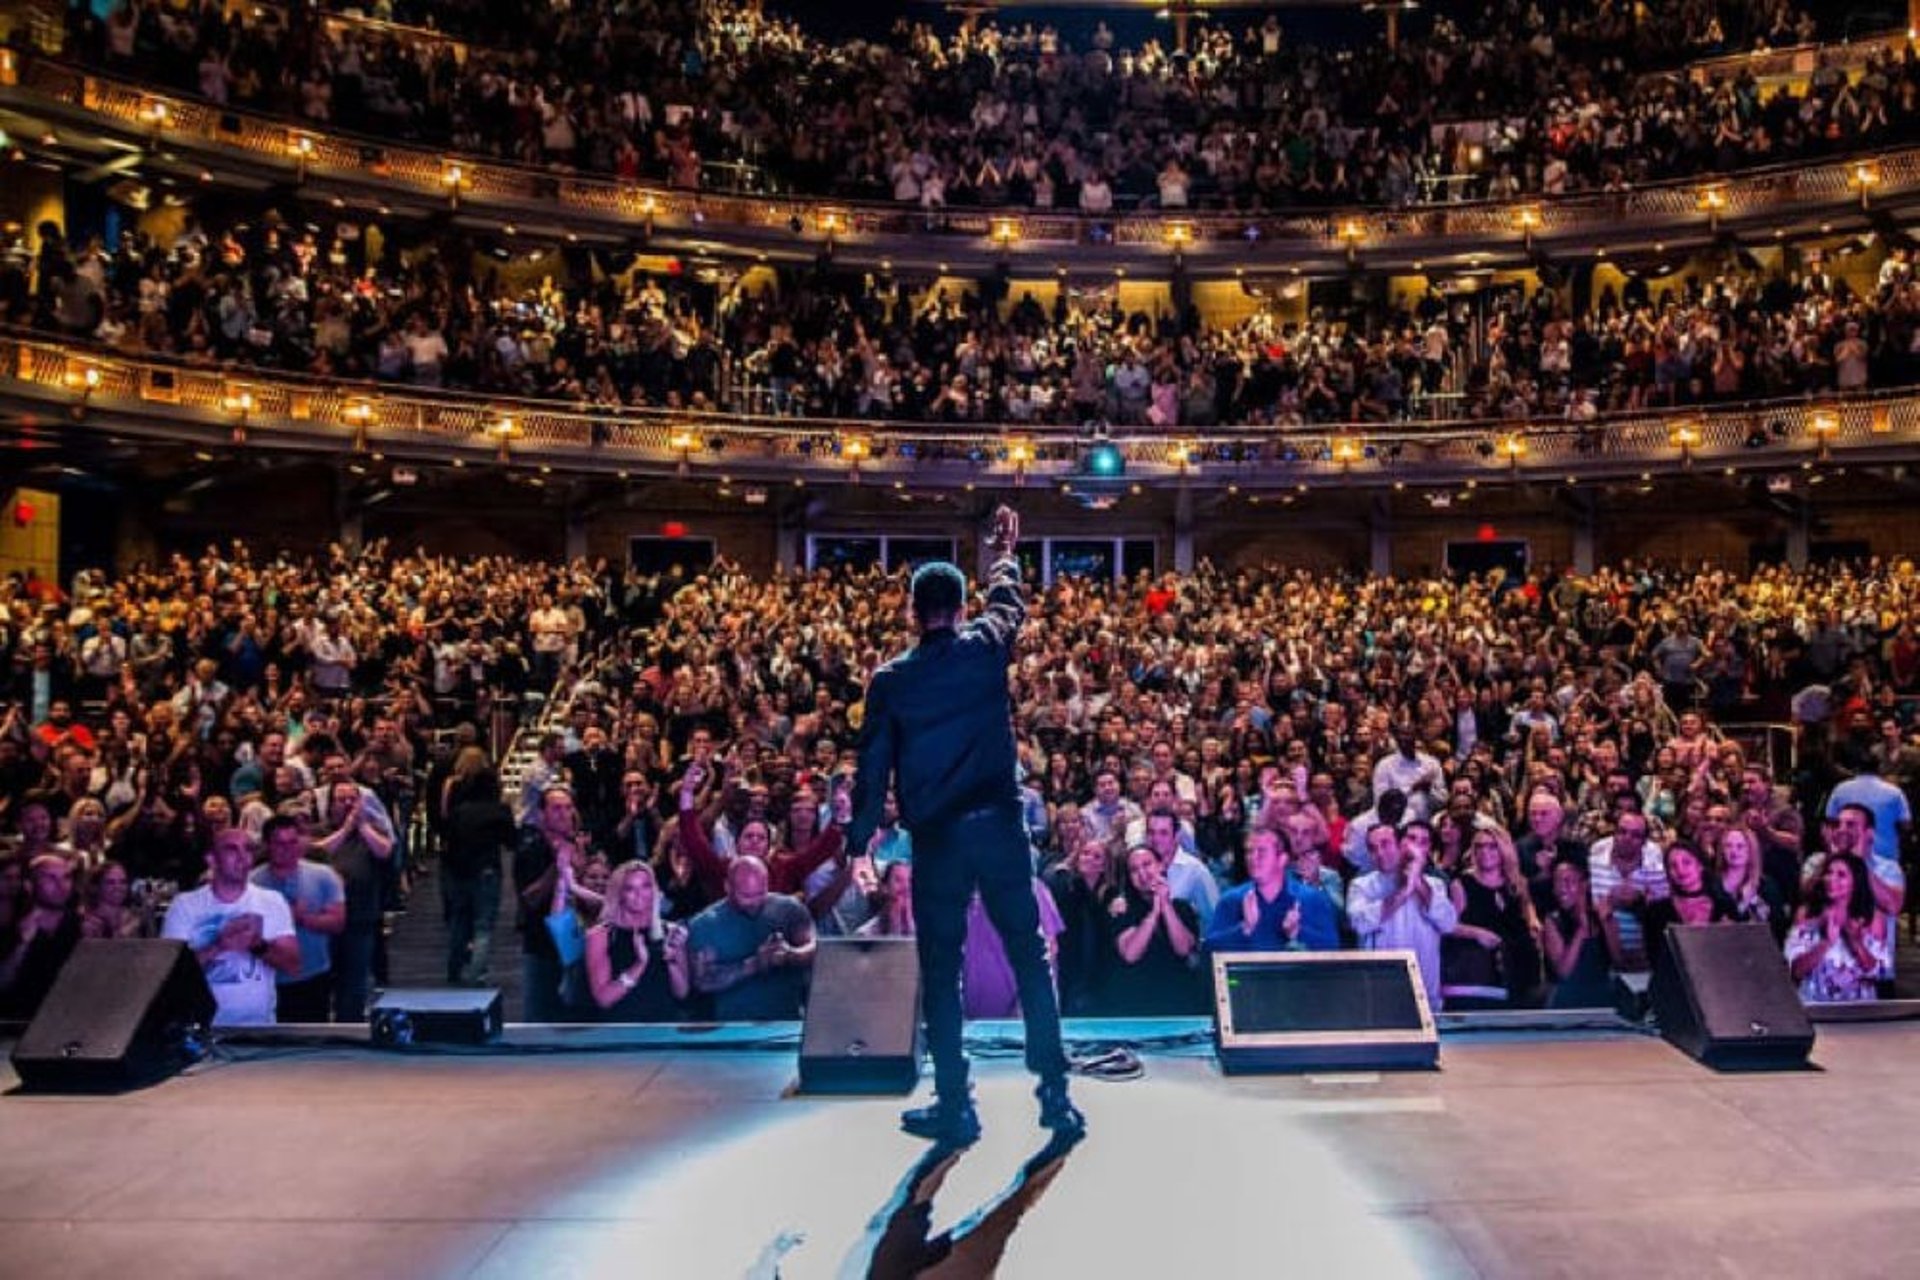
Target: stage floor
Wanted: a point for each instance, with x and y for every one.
(1565, 1154)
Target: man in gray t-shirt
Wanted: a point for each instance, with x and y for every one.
(752, 949)
(317, 900)
(1675, 658)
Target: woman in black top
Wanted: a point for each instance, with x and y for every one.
(1155, 936)
(1083, 890)
(1696, 897)
(1492, 958)
(636, 967)
(1579, 968)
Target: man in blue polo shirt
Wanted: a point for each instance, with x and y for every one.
(1259, 915)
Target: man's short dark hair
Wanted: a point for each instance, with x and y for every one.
(275, 825)
(938, 591)
(1866, 814)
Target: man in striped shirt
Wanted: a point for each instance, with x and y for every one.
(1627, 871)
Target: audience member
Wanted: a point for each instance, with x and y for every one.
(242, 934)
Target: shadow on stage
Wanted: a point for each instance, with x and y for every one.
(898, 1244)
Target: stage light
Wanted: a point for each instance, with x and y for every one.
(1105, 460)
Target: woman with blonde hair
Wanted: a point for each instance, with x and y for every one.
(1755, 896)
(1492, 958)
(637, 967)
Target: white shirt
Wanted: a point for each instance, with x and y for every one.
(1189, 881)
(243, 985)
(1395, 772)
(1411, 928)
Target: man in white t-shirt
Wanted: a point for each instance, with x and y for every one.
(241, 933)
(551, 631)
(1412, 772)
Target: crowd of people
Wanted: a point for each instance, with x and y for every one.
(169, 725)
(310, 298)
(1522, 96)
(1526, 781)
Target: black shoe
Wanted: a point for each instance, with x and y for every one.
(1058, 1113)
(954, 1124)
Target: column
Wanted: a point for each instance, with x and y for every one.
(576, 535)
(1799, 535)
(786, 541)
(1183, 530)
(350, 515)
(1380, 537)
(1585, 524)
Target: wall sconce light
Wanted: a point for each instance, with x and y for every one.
(1528, 220)
(1353, 231)
(83, 381)
(1864, 176)
(504, 430)
(238, 401)
(1686, 436)
(157, 116)
(1712, 201)
(1514, 448)
(453, 177)
(1020, 454)
(1347, 450)
(1824, 424)
(855, 449)
(359, 416)
(682, 442)
(302, 147)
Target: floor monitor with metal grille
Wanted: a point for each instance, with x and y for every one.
(1322, 1010)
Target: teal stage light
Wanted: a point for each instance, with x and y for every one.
(1105, 459)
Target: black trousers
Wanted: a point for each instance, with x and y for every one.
(984, 850)
(310, 1000)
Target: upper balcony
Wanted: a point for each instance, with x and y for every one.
(56, 109)
(57, 387)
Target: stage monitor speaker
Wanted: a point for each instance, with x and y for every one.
(1321, 1011)
(400, 1016)
(122, 1013)
(862, 1033)
(1721, 993)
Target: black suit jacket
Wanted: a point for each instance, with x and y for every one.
(939, 722)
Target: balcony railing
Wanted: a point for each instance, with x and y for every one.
(75, 387)
(1467, 231)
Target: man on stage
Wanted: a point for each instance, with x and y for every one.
(939, 731)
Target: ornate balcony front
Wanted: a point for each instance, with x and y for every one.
(53, 387)
(194, 140)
